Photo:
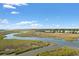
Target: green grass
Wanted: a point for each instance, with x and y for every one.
(2, 37)
(20, 46)
(63, 51)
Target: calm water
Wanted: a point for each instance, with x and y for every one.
(57, 41)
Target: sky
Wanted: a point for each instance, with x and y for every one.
(39, 15)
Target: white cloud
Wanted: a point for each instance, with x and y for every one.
(4, 21)
(12, 4)
(25, 22)
(14, 12)
(29, 24)
(9, 6)
(5, 24)
(36, 25)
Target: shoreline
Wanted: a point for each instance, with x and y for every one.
(67, 37)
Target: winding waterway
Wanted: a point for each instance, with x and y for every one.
(59, 42)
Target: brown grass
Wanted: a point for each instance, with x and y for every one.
(66, 36)
(20, 46)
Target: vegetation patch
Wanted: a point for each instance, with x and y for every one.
(20, 46)
(65, 36)
(63, 51)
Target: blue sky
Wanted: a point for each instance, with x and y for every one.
(39, 15)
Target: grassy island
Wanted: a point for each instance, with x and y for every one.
(65, 36)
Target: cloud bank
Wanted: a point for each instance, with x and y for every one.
(6, 24)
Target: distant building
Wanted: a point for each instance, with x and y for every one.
(74, 31)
